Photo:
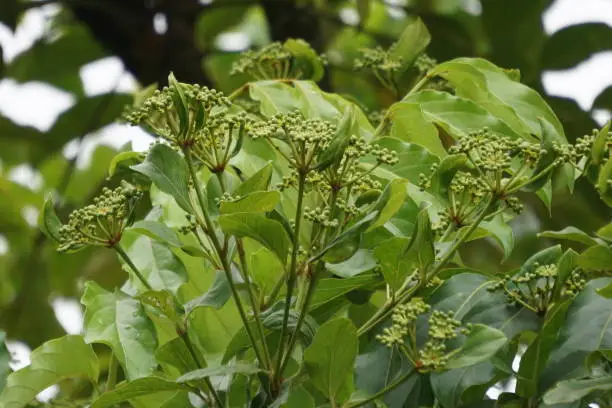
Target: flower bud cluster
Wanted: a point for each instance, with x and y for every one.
(101, 223)
(274, 61)
(403, 322)
(535, 289)
(159, 114)
(320, 216)
(300, 139)
(443, 327)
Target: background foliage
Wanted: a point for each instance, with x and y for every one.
(509, 33)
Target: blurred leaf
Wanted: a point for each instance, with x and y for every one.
(522, 49)
(5, 359)
(56, 60)
(330, 358)
(412, 42)
(55, 360)
(121, 323)
(306, 59)
(574, 44)
(604, 100)
(9, 13)
(597, 257)
(49, 222)
(570, 234)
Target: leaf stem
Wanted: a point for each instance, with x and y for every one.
(111, 379)
(292, 273)
(191, 349)
(217, 245)
(254, 303)
(382, 392)
(133, 267)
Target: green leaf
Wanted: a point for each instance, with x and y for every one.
(176, 354)
(49, 222)
(502, 232)
(330, 358)
(156, 230)
(536, 355)
(256, 202)
(260, 181)
(395, 265)
(517, 106)
(412, 42)
(570, 234)
(180, 103)
(329, 289)
(480, 345)
(362, 261)
(572, 45)
(269, 233)
(445, 172)
(347, 243)
(54, 361)
(456, 115)
(421, 247)
(218, 294)
(409, 123)
(128, 156)
(467, 294)
(121, 323)
(413, 159)
(136, 388)
(390, 202)
(202, 373)
(569, 391)
(598, 257)
(586, 328)
(157, 263)
(604, 184)
(605, 232)
(168, 170)
(340, 141)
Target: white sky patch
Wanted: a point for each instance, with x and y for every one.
(27, 176)
(106, 75)
(564, 13)
(35, 104)
(4, 245)
(160, 23)
(233, 41)
(69, 313)
(584, 82)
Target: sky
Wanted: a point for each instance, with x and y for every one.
(37, 105)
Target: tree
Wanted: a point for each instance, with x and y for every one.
(330, 309)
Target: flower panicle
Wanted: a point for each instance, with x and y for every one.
(101, 223)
